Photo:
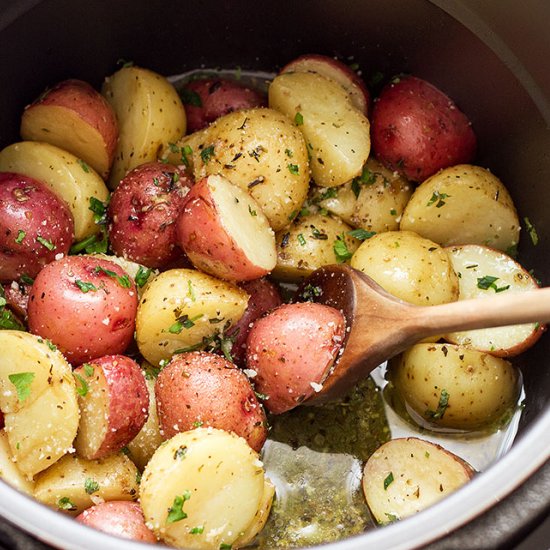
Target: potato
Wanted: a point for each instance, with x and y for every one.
(207, 99)
(339, 201)
(120, 518)
(143, 212)
(150, 114)
(67, 176)
(312, 241)
(483, 272)
(113, 401)
(411, 268)
(35, 226)
(455, 387)
(181, 308)
(382, 198)
(148, 440)
(418, 130)
(405, 476)
(336, 132)
(73, 484)
(203, 389)
(85, 305)
(74, 117)
(9, 472)
(334, 70)
(259, 150)
(291, 351)
(38, 399)
(202, 489)
(463, 204)
(17, 299)
(224, 232)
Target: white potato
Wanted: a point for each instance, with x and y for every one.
(259, 150)
(312, 241)
(67, 176)
(408, 266)
(453, 386)
(339, 201)
(484, 272)
(150, 114)
(180, 308)
(336, 132)
(38, 399)
(383, 196)
(463, 204)
(9, 471)
(74, 484)
(203, 489)
(405, 476)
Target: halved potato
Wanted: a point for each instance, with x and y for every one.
(483, 272)
(66, 175)
(463, 204)
(9, 471)
(404, 476)
(336, 132)
(38, 399)
(150, 114)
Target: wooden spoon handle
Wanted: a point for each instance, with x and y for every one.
(499, 310)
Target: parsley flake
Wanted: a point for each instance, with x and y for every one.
(85, 286)
(532, 231)
(91, 486)
(45, 243)
(22, 382)
(487, 282)
(298, 119)
(441, 407)
(82, 388)
(175, 512)
(388, 481)
(20, 236)
(361, 234)
(293, 169)
(207, 153)
(197, 530)
(437, 198)
(65, 503)
(84, 166)
(122, 280)
(142, 276)
(341, 251)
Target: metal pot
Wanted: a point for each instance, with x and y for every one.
(489, 56)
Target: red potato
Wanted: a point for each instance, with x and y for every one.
(335, 70)
(35, 226)
(264, 296)
(201, 389)
(143, 211)
(291, 351)
(113, 401)
(207, 99)
(85, 305)
(75, 117)
(224, 232)
(17, 297)
(120, 518)
(417, 130)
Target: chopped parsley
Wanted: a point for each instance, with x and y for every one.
(487, 282)
(45, 243)
(175, 512)
(81, 388)
(122, 280)
(310, 292)
(142, 276)
(22, 382)
(85, 286)
(441, 406)
(91, 486)
(95, 243)
(298, 119)
(301, 239)
(84, 166)
(341, 251)
(197, 530)
(184, 322)
(190, 97)
(293, 169)
(8, 321)
(207, 153)
(366, 178)
(532, 231)
(64, 503)
(20, 236)
(361, 234)
(252, 211)
(88, 369)
(388, 481)
(225, 546)
(437, 198)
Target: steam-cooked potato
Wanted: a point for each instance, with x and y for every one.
(259, 150)
(66, 175)
(38, 399)
(339, 201)
(483, 272)
(463, 204)
(411, 268)
(404, 476)
(74, 484)
(312, 241)
(336, 132)
(180, 308)
(150, 114)
(202, 489)
(9, 472)
(453, 386)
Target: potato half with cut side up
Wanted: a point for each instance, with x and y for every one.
(405, 476)
(224, 232)
(38, 399)
(9, 472)
(203, 489)
(336, 132)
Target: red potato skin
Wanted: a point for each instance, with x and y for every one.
(335, 70)
(142, 214)
(17, 298)
(128, 396)
(206, 242)
(417, 130)
(218, 97)
(264, 296)
(88, 104)
(83, 325)
(119, 518)
(203, 389)
(292, 347)
(27, 205)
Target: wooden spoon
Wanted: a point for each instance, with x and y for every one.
(381, 326)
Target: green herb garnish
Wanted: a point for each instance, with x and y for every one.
(487, 282)
(441, 407)
(91, 486)
(175, 512)
(207, 153)
(341, 251)
(45, 243)
(361, 234)
(20, 236)
(122, 280)
(22, 382)
(388, 481)
(437, 198)
(85, 286)
(532, 231)
(298, 119)
(82, 388)
(142, 276)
